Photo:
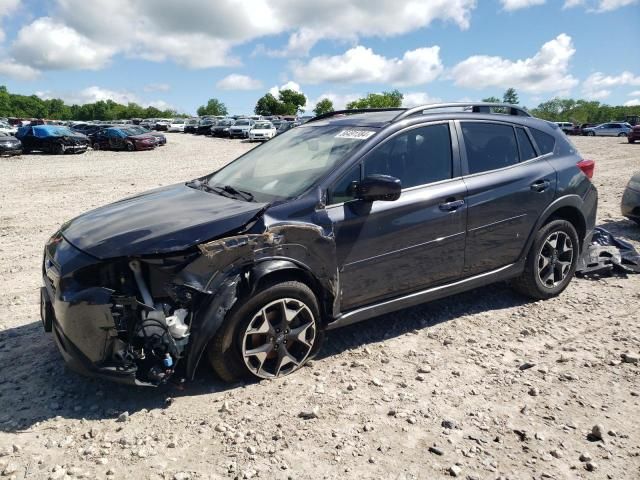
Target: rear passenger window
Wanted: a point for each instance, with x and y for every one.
(417, 157)
(545, 142)
(489, 146)
(527, 151)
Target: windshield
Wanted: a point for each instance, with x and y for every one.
(240, 123)
(178, 122)
(263, 126)
(269, 173)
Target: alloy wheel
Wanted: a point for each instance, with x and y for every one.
(555, 259)
(279, 338)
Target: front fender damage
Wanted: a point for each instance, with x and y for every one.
(229, 269)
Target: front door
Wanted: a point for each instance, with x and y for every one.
(389, 248)
(509, 185)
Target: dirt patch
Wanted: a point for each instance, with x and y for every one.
(480, 385)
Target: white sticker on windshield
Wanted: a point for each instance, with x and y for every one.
(355, 134)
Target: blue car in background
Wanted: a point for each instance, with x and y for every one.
(52, 139)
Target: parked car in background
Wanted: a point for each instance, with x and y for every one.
(161, 139)
(52, 139)
(221, 128)
(611, 129)
(9, 129)
(241, 128)
(284, 126)
(204, 126)
(191, 125)
(262, 131)
(631, 199)
(177, 125)
(634, 134)
(123, 138)
(9, 145)
(162, 125)
(566, 127)
(149, 123)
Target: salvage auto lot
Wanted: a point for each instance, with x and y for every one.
(382, 389)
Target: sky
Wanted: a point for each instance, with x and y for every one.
(177, 54)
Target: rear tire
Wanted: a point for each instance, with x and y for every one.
(551, 261)
(622, 134)
(591, 134)
(271, 334)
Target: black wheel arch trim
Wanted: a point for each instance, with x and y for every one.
(232, 286)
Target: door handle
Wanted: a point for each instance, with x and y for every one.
(540, 185)
(451, 206)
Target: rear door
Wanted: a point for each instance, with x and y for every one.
(509, 184)
(389, 248)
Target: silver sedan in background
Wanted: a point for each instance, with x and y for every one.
(611, 129)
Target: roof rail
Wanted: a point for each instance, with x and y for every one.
(476, 107)
(354, 110)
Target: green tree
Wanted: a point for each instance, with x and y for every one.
(268, 105)
(323, 106)
(213, 107)
(492, 100)
(292, 102)
(289, 102)
(510, 96)
(391, 99)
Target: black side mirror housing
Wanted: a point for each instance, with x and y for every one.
(379, 187)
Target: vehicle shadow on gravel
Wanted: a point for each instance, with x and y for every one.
(485, 299)
(36, 386)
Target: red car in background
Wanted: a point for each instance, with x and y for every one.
(634, 134)
(123, 139)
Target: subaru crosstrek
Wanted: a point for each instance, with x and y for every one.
(350, 216)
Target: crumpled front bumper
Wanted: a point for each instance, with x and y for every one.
(81, 322)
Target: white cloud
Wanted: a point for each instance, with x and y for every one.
(49, 45)
(361, 65)
(511, 5)
(95, 93)
(7, 7)
(599, 6)
(634, 102)
(198, 34)
(413, 99)
(339, 100)
(598, 85)
(10, 68)
(290, 85)
(157, 87)
(635, 93)
(236, 81)
(546, 71)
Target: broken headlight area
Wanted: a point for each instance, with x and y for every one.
(144, 326)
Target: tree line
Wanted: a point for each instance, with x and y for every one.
(290, 102)
(32, 106)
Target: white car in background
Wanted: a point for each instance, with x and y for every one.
(262, 131)
(8, 129)
(176, 125)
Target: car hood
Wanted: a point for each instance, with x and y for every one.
(163, 220)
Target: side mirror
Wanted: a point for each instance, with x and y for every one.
(379, 187)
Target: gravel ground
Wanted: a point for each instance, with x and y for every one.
(486, 384)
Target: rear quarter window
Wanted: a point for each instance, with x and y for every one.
(489, 146)
(546, 143)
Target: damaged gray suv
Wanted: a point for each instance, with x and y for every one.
(352, 215)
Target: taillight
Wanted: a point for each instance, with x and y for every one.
(587, 167)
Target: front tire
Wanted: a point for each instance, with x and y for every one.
(591, 134)
(270, 335)
(130, 147)
(622, 134)
(551, 261)
(58, 149)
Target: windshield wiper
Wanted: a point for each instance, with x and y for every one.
(248, 196)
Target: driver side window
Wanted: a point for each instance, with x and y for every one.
(418, 156)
